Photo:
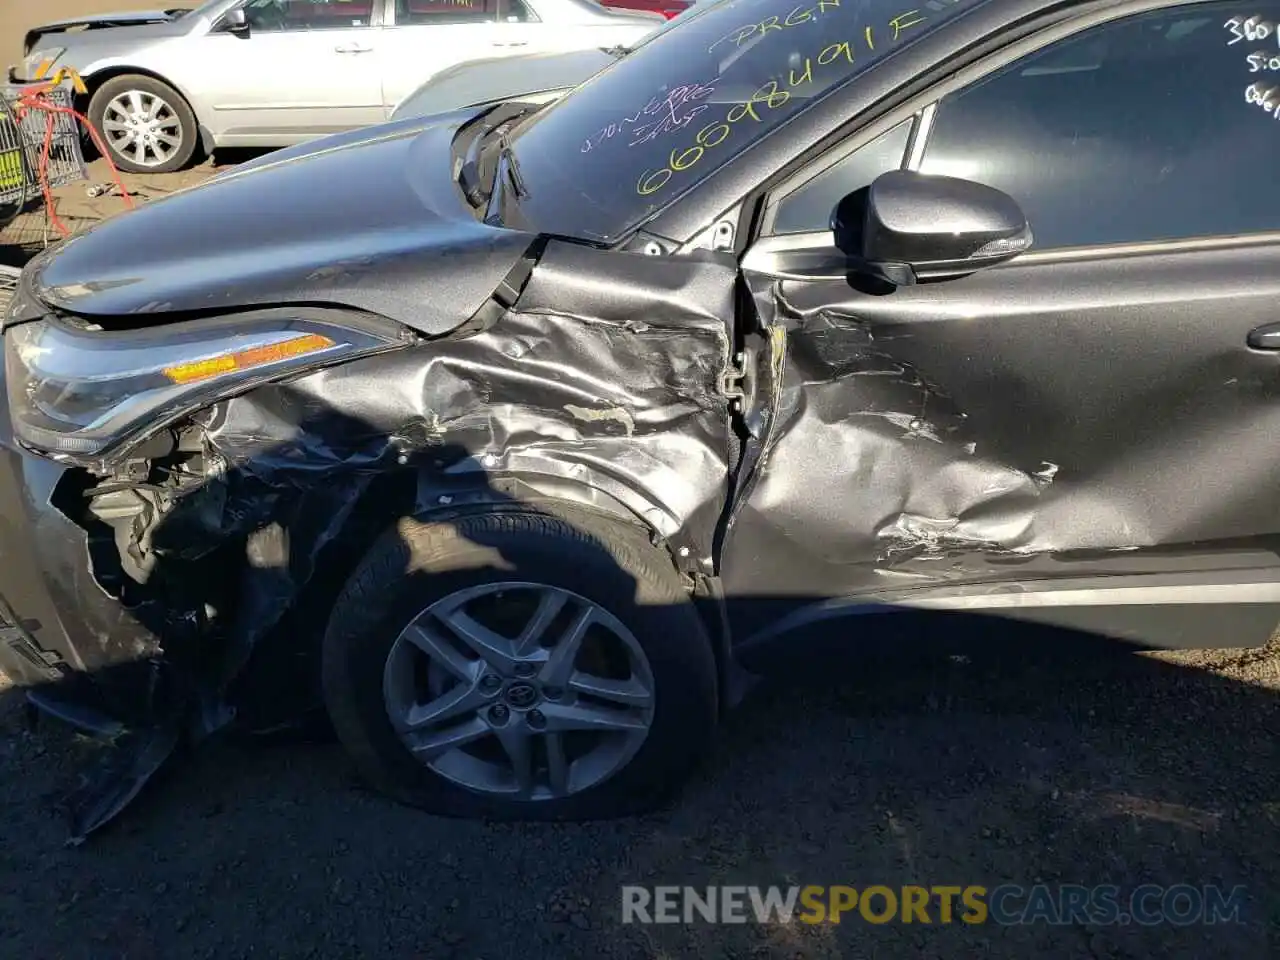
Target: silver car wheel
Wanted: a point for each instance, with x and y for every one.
(142, 127)
(520, 690)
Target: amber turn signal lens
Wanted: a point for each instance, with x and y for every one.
(242, 360)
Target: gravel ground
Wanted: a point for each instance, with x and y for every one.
(1163, 771)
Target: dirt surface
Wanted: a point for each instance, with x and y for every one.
(956, 773)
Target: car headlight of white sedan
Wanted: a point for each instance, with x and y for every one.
(38, 64)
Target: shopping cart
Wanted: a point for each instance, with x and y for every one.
(40, 145)
(8, 287)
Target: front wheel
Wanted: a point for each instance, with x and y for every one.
(146, 125)
(515, 665)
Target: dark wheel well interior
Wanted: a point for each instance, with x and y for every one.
(292, 648)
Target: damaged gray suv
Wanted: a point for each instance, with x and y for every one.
(517, 437)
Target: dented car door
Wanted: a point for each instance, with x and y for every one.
(1057, 424)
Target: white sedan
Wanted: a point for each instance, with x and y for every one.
(270, 73)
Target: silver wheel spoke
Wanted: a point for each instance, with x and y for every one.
(559, 665)
(489, 646)
(562, 718)
(142, 127)
(518, 744)
(557, 765)
(475, 703)
(431, 745)
(461, 699)
(550, 603)
(440, 651)
(628, 693)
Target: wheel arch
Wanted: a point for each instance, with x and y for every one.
(396, 495)
(95, 80)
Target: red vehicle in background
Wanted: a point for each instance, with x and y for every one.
(668, 8)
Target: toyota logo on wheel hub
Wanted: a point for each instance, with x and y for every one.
(522, 695)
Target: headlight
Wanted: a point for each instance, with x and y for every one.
(82, 395)
(38, 64)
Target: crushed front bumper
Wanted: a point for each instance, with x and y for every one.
(77, 651)
(61, 636)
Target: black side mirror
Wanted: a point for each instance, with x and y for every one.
(911, 226)
(234, 21)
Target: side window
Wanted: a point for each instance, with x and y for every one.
(1159, 126)
(517, 11)
(809, 207)
(277, 16)
(430, 13)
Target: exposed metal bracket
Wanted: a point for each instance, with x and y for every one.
(719, 236)
(733, 380)
(722, 236)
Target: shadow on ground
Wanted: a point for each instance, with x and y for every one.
(947, 774)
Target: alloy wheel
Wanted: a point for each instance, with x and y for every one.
(519, 689)
(142, 127)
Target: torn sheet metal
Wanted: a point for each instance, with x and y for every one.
(960, 436)
(861, 435)
(607, 383)
(129, 764)
(605, 375)
(602, 384)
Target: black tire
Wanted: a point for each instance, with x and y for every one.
(605, 562)
(177, 105)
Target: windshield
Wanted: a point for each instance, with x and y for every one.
(677, 108)
(211, 8)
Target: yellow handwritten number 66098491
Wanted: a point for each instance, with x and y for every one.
(712, 135)
(651, 181)
(655, 180)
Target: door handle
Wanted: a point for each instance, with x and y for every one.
(1265, 337)
(352, 48)
(511, 43)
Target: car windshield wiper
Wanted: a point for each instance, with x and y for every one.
(618, 51)
(467, 170)
(468, 176)
(507, 156)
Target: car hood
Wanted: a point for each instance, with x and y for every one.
(372, 223)
(502, 78)
(130, 21)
